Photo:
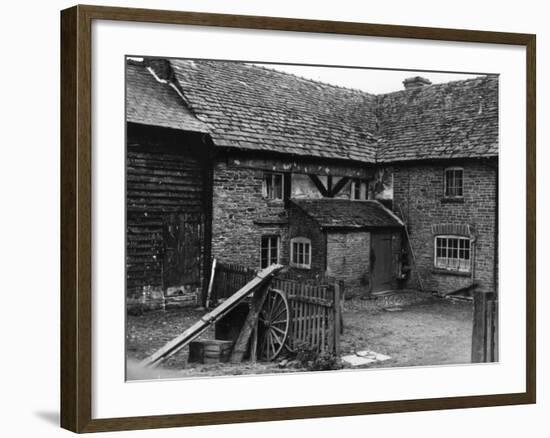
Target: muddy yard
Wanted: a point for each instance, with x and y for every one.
(432, 332)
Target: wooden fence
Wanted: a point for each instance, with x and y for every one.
(485, 331)
(315, 304)
(228, 279)
(315, 314)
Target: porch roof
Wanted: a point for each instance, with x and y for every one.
(332, 213)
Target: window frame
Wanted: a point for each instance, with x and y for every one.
(446, 185)
(270, 249)
(272, 176)
(457, 269)
(300, 241)
(363, 194)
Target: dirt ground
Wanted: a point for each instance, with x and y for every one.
(428, 333)
(435, 332)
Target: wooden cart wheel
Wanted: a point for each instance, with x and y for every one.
(273, 325)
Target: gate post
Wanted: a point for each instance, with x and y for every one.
(337, 316)
(485, 327)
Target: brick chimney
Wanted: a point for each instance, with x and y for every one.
(416, 82)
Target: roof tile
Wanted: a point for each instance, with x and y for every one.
(249, 107)
(344, 213)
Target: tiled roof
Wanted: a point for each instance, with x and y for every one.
(344, 213)
(250, 107)
(151, 102)
(456, 119)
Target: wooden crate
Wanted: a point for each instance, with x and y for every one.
(210, 351)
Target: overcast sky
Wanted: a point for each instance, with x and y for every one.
(374, 81)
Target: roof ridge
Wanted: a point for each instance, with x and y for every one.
(333, 121)
(310, 80)
(439, 84)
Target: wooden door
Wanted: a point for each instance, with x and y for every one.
(183, 250)
(381, 261)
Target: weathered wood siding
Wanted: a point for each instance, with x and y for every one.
(166, 177)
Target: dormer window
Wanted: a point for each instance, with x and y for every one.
(454, 182)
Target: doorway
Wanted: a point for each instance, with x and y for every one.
(381, 262)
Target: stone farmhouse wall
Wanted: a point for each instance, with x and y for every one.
(241, 215)
(237, 207)
(418, 196)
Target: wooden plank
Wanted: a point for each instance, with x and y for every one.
(479, 328)
(306, 329)
(342, 302)
(250, 324)
(313, 317)
(330, 326)
(300, 314)
(339, 186)
(495, 336)
(210, 283)
(313, 300)
(337, 320)
(319, 184)
(254, 344)
(307, 316)
(314, 309)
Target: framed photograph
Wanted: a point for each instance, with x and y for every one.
(269, 219)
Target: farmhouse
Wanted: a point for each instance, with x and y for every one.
(253, 166)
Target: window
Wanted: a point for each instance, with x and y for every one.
(454, 182)
(269, 253)
(359, 189)
(273, 186)
(300, 252)
(452, 253)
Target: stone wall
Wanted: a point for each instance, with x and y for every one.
(241, 215)
(349, 259)
(418, 191)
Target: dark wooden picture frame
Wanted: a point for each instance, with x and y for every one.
(76, 218)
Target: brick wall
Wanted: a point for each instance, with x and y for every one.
(349, 259)
(418, 190)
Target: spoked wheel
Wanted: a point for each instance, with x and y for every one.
(273, 325)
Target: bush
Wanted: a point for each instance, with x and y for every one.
(313, 360)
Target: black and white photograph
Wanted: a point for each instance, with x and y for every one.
(304, 218)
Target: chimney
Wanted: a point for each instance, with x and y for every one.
(416, 82)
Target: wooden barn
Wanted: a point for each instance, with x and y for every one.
(168, 193)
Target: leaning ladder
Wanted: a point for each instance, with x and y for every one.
(420, 282)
